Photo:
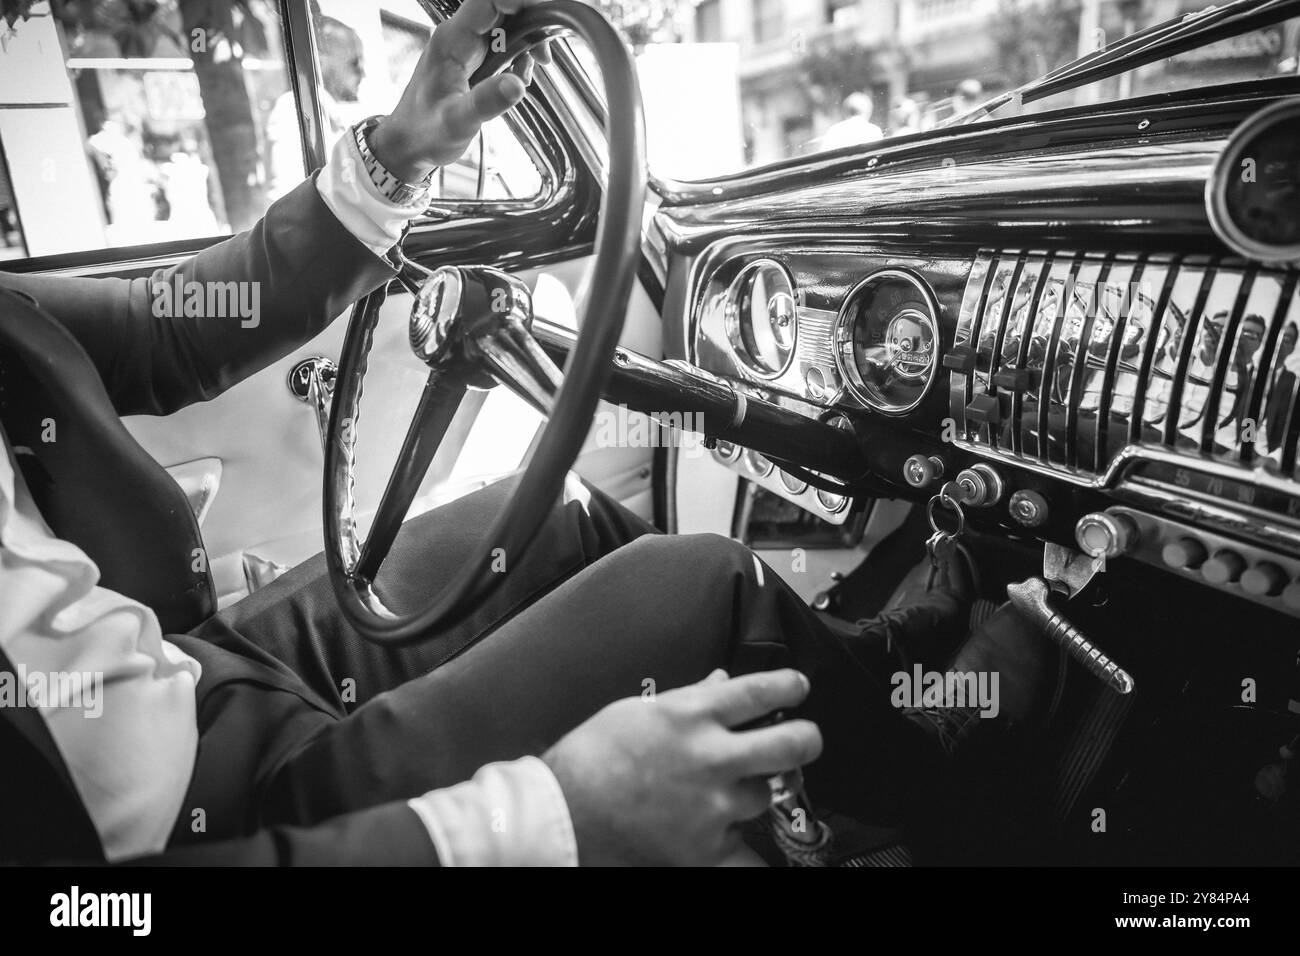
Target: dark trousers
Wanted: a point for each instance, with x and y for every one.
(301, 719)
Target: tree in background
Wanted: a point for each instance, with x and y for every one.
(219, 33)
(1033, 37)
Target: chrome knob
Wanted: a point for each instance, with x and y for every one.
(921, 471)
(1105, 535)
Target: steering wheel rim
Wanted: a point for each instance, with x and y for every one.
(352, 565)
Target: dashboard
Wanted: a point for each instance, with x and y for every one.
(1133, 398)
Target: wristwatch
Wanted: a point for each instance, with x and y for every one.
(411, 195)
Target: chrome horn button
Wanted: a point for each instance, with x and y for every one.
(434, 314)
(474, 322)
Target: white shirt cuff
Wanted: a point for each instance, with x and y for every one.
(507, 814)
(346, 189)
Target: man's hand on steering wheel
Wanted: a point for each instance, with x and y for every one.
(439, 114)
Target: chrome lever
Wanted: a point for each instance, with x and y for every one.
(312, 381)
(1030, 599)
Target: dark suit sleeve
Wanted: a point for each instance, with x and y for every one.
(388, 835)
(299, 264)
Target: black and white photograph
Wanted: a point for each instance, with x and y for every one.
(651, 433)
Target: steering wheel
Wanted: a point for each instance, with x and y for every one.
(471, 326)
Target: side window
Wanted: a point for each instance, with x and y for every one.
(366, 51)
(123, 124)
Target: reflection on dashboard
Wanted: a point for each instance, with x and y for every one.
(1114, 344)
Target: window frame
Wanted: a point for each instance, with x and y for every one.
(541, 137)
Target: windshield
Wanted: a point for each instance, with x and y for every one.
(733, 84)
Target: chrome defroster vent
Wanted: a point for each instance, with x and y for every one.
(1064, 360)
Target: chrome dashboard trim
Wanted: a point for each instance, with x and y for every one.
(1264, 534)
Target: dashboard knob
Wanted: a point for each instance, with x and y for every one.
(1184, 554)
(1224, 567)
(979, 486)
(921, 471)
(819, 389)
(1105, 535)
(1264, 579)
(1029, 508)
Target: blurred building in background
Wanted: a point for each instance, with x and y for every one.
(923, 61)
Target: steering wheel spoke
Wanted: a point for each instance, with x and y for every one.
(516, 361)
(439, 403)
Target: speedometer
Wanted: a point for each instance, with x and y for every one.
(1253, 194)
(761, 318)
(886, 341)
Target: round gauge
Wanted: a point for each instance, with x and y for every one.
(761, 318)
(886, 341)
(756, 464)
(1254, 191)
(792, 484)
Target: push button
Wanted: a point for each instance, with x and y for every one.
(1264, 579)
(1184, 554)
(1224, 567)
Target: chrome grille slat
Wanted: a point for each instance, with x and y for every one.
(1264, 383)
(1225, 357)
(999, 337)
(1078, 373)
(1105, 401)
(1018, 431)
(1149, 353)
(1187, 346)
(1050, 360)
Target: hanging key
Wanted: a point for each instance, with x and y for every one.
(941, 546)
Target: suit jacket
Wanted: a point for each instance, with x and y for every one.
(309, 269)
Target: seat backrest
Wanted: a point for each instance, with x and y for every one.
(93, 483)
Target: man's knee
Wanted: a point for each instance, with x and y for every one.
(696, 557)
